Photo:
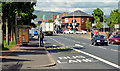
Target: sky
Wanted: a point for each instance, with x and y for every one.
(72, 5)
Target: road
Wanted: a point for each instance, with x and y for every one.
(73, 52)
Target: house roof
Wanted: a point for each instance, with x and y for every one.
(78, 13)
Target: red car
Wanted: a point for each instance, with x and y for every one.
(114, 39)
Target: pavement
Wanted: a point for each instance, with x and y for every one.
(29, 56)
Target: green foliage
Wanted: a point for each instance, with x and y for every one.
(98, 24)
(10, 45)
(88, 24)
(113, 18)
(50, 21)
(98, 13)
(5, 48)
(25, 9)
(37, 24)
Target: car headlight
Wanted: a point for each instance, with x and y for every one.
(98, 40)
(116, 40)
(106, 41)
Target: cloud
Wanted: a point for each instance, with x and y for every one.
(77, 0)
(69, 6)
(76, 4)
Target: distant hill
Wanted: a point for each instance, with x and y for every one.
(47, 14)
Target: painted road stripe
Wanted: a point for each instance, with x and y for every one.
(78, 45)
(114, 50)
(101, 47)
(98, 58)
(54, 45)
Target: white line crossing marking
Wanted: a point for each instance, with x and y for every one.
(98, 58)
(78, 45)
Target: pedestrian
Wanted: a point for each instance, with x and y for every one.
(41, 38)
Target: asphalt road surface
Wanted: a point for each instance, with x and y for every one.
(72, 52)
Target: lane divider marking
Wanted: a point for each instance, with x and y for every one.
(79, 45)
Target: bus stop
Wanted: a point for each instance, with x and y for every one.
(22, 34)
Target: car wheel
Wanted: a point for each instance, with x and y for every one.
(94, 43)
(112, 42)
(106, 44)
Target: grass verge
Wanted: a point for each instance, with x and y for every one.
(6, 47)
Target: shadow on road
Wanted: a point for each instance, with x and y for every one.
(13, 60)
(57, 49)
(79, 48)
(27, 52)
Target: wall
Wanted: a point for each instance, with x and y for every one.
(82, 26)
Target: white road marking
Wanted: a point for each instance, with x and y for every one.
(60, 62)
(101, 47)
(78, 45)
(56, 41)
(114, 50)
(98, 58)
(83, 43)
(54, 45)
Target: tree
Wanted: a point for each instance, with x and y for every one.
(11, 9)
(98, 13)
(113, 18)
(50, 21)
(98, 24)
(88, 24)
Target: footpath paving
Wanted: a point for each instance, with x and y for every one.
(30, 56)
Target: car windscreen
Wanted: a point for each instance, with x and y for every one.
(99, 36)
(118, 36)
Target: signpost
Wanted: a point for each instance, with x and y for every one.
(117, 26)
(17, 17)
(39, 22)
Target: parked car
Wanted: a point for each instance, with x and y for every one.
(68, 32)
(99, 40)
(114, 39)
(81, 32)
(35, 33)
(61, 31)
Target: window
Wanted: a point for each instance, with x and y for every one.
(82, 20)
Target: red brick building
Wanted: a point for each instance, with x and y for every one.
(80, 18)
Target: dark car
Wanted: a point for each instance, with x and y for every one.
(61, 31)
(114, 39)
(99, 40)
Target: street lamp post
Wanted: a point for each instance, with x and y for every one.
(73, 22)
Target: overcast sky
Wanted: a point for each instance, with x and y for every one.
(72, 5)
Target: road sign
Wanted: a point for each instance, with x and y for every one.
(39, 22)
(117, 26)
(18, 17)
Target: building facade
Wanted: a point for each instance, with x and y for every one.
(80, 20)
